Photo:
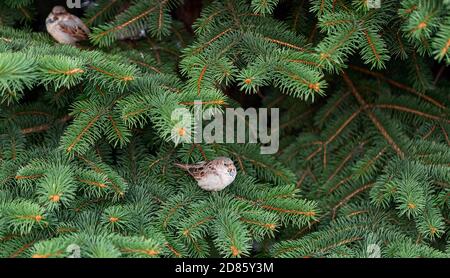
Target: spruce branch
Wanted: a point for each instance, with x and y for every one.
(372, 116)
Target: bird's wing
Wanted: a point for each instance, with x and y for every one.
(195, 170)
(198, 171)
(73, 26)
(201, 170)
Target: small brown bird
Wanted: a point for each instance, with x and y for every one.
(213, 175)
(65, 27)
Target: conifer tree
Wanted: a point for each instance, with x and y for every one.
(87, 151)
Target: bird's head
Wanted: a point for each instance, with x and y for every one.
(54, 15)
(229, 165)
(58, 10)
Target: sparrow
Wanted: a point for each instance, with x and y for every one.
(213, 175)
(65, 27)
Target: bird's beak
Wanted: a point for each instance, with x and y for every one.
(232, 171)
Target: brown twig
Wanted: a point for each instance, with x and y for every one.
(372, 116)
(45, 127)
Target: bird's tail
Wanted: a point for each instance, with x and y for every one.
(182, 166)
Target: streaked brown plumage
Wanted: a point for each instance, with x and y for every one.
(65, 27)
(213, 175)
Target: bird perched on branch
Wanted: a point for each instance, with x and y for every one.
(213, 175)
(65, 27)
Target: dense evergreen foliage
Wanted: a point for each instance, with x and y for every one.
(86, 149)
